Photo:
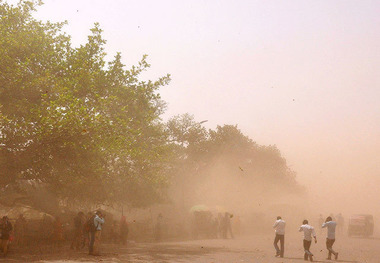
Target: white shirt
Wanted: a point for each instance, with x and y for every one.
(308, 231)
(331, 225)
(98, 222)
(279, 227)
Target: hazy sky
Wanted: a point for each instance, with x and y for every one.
(303, 75)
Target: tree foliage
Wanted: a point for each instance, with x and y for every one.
(87, 129)
(218, 165)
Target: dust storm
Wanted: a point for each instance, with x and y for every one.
(249, 133)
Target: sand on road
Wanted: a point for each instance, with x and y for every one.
(256, 249)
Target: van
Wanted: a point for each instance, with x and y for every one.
(361, 225)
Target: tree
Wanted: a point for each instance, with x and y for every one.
(224, 166)
(86, 129)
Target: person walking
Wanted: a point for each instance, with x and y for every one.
(98, 222)
(279, 227)
(6, 229)
(330, 240)
(308, 233)
(78, 231)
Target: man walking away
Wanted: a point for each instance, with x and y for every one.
(279, 227)
(98, 222)
(6, 228)
(308, 232)
(331, 226)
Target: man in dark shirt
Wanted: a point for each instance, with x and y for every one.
(6, 228)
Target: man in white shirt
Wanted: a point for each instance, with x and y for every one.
(308, 233)
(98, 222)
(331, 226)
(279, 227)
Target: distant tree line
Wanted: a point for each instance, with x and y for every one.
(90, 131)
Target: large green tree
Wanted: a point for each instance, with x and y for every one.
(87, 130)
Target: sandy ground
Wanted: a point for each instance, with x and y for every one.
(239, 250)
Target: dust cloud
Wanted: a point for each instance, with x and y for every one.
(330, 180)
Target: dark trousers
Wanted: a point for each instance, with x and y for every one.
(280, 238)
(306, 247)
(92, 240)
(329, 244)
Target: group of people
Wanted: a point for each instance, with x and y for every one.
(204, 224)
(88, 230)
(308, 235)
(7, 230)
(224, 225)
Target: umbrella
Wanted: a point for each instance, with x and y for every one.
(29, 213)
(199, 208)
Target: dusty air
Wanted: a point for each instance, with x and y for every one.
(189, 131)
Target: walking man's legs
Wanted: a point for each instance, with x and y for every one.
(276, 239)
(329, 244)
(281, 238)
(282, 243)
(96, 249)
(306, 246)
(91, 244)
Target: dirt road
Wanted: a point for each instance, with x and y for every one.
(256, 249)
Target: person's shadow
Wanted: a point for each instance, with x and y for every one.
(325, 261)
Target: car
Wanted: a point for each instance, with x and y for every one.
(361, 225)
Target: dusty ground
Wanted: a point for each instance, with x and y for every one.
(239, 250)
